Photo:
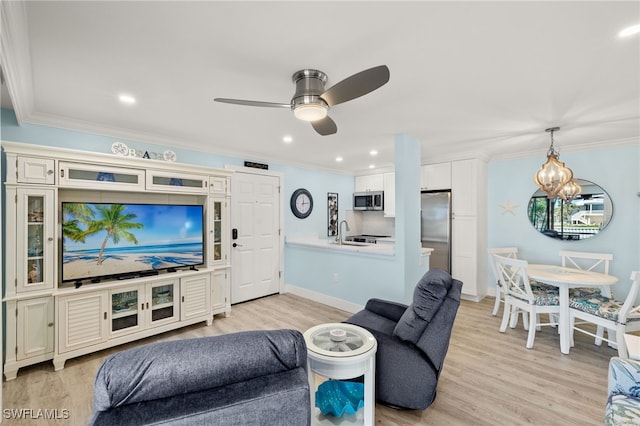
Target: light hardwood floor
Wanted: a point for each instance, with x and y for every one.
(489, 378)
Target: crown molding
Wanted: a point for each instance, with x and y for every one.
(590, 146)
(172, 143)
(15, 58)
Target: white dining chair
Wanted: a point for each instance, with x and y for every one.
(510, 252)
(519, 293)
(606, 312)
(596, 262)
(587, 261)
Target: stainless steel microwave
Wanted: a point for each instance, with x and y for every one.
(370, 200)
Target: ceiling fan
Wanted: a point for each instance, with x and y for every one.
(311, 101)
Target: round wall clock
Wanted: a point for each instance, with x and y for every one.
(301, 203)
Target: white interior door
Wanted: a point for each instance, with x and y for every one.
(255, 252)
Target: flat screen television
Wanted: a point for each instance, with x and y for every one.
(102, 240)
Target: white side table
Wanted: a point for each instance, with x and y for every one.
(343, 351)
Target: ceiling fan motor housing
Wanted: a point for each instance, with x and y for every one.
(309, 86)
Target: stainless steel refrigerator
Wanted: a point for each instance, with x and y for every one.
(436, 227)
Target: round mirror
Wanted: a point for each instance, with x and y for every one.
(578, 219)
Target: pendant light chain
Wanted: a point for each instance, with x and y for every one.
(552, 150)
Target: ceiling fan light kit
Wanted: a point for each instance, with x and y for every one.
(311, 102)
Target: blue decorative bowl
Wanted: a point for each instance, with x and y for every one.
(106, 177)
(336, 397)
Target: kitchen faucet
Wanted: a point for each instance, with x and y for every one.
(339, 236)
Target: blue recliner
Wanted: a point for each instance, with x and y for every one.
(412, 340)
(255, 377)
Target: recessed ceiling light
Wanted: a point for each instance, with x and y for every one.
(629, 31)
(372, 166)
(287, 139)
(338, 159)
(373, 152)
(126, 99)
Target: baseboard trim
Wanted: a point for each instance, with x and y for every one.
(323, 298)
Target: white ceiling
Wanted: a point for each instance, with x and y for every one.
(466, 77)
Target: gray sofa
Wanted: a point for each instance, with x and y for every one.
(412, 340)
(248, 378)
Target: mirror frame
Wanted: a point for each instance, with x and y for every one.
(544, 213)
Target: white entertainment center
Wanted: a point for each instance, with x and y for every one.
(48, 319)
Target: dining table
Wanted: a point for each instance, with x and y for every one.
(565, 278)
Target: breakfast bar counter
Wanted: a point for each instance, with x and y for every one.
(386, 247)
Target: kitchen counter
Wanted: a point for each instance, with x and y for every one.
(316, 242)
(383, 248)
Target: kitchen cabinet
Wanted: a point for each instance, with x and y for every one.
(389, 182)
(373, 182)
(435, 176)
(468, 226)
(465, 186)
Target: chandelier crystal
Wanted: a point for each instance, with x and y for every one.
(553, 175)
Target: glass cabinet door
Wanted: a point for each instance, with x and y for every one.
(95, 176)
(125, 310)
(217, 231)
(35, 217)
(35, 238)
(177, 182)
(164, 302)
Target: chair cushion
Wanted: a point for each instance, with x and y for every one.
(428, 295)
(598, 305)
(543, 297)
(584, 292)
(535, 285)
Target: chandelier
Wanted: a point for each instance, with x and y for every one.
(553, 176)
(570, 190)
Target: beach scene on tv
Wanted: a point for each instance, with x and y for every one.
(100, 240)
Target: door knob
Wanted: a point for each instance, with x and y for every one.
(236, 245)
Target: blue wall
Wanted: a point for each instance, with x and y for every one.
(614, 169)
(319, 183)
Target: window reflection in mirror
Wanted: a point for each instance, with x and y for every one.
(578, 219)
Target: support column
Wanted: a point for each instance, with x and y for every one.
(408, 246)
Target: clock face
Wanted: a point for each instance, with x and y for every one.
(301, 203)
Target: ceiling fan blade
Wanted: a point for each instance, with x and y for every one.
(357, 85)
(252, 103)
(325, 127)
